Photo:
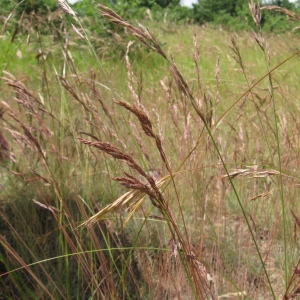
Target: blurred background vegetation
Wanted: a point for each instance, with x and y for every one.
(231, 14)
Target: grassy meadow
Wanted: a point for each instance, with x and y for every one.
(191, 132)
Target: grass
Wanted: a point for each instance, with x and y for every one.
(76, 116)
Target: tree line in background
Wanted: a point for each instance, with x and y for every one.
(231, 14)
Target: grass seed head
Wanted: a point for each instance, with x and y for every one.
(66, 8)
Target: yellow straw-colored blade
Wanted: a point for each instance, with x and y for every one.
(133, 199)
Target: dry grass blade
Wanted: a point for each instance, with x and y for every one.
(96, 94)
(29, 135)
(109, 149)
(129, 201)
(238, 295)
(290, 14)
(121, 202)
(185, 88)
(130, 74)
(142, 33)
(251, 173)
(27, 99)
(294, 283)
(196, 56)
(72, 91)
(118, 154)
(255, 12)
(40, 176)
(48, 207)
(132, 209)
(297, 220)
(11, 81)
(263, 195)
(66, 8)
(237, 57)
(5, 23)
(180, 80)
(20, 139)
(143, 118)
(4, 148)
(148, 130)
(148, 39)
(78, 32)
(132, 183)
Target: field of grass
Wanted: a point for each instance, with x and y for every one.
(198, 141)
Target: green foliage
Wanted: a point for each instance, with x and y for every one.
(40, 7)
(26, 17)
(37, 6)
(6, 7)
(165, 3)
(151, 3)
(235, 15)
(208, 11)
(274, 22)
(283, 3)
(231, 14)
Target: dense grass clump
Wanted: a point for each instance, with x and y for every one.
(162, 164)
